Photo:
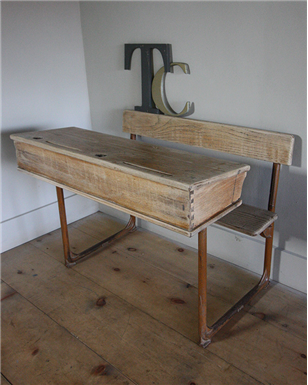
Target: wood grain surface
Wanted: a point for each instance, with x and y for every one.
(266, 145)
(172, 167)
(37, 350)
(145, 331)
(155, 183)
(128, 339)
(248, 220)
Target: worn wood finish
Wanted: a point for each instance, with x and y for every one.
(150, 291)
(223, 191)
(137, 194)
(176, 168)
(144, 347)
(155, 183)
(248, 220)
(271, 146)
(36, 350)
(279, 306)
(166, 225)
(179, 260)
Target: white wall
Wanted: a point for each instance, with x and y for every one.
(43, 86)
(248, 67)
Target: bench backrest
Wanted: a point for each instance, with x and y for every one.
(259, 144)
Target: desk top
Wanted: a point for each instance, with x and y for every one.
(181, 169)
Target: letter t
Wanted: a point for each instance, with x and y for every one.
(147, 70)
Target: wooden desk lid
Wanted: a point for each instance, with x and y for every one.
(176, 189)
(176, 168)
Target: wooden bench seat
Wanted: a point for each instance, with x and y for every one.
(248, 220)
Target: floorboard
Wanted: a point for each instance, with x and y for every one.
(130, 311)
(280, 306)
(37, 350)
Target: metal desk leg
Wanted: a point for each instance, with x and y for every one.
(70, 259)
(204, 330)
(207, 332)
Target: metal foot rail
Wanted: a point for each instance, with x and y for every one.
(70, 258)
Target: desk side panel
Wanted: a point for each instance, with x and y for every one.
(215, 197)
(165, 203)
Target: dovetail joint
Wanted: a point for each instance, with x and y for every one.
(192, 208)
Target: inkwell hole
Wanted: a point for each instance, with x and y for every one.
(100, 155)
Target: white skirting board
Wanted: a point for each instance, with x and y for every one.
(31, 225)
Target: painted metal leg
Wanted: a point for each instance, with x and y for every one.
(269, 235)
(204, 330)
(64, 230)
(70, 259)
(207, 332)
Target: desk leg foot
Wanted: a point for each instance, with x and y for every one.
(204, 343)
(69, 264)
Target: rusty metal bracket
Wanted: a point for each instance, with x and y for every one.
(267, 233)
(70, 258)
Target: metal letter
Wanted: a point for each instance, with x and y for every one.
(159, 92)
(147, 70)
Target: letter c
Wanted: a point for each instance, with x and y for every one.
(159, 92)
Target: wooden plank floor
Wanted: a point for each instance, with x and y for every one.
(128, 315)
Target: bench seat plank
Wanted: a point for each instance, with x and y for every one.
(179, 188)
(248, 220)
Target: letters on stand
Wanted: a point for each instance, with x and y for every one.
(154, 99)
